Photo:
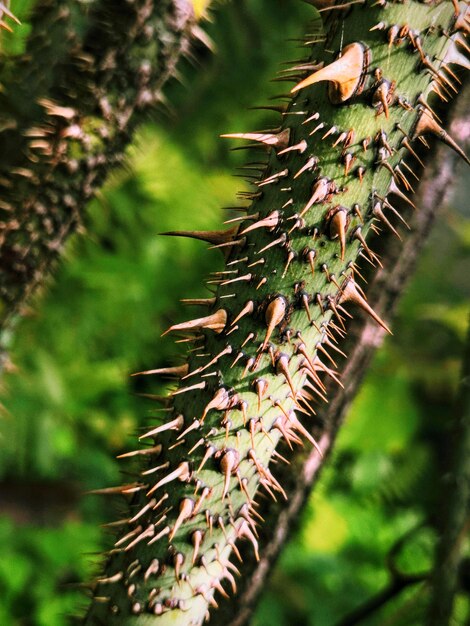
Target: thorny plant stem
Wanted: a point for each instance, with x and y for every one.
(364, 338)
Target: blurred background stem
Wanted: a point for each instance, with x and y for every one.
(454, 520)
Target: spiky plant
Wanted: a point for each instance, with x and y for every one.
(345, 153)
(69, 106)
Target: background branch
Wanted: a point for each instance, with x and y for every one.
(455, 500)
(70, 105)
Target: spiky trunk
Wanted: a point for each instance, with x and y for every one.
(364, 338)
(70, 106)
(344, 154)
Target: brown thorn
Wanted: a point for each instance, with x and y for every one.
(175, 424)
(215, 237)
(345, 74)
(182, 472)
(275, 313)
(187, 389)
(270, 222)
(319, 192)
(426, 124)
(215, 322)
(351, 293)
(185, 511)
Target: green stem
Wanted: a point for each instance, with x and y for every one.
(384, 290)
(263, 350)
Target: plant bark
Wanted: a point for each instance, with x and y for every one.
(364, 338)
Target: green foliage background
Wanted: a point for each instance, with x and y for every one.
(70, 406)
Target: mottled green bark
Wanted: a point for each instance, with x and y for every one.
(262, 351)
(364, 337)
(68, 108)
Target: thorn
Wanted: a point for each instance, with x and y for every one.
(290, 257)
(261, 387)
(227, 350)
(214, 237)
(190, 388)
(120, 490)
(277, 242)
(277, 140)
(350, 293)
(4, 9)
(270, 222)
(312, 118)
(403, 178)
(348, 160)
(393, 188)
(279, 423)
(219, 402)
(196, 424)
(301, 428)
(158, 536)
(178, 372)
(239, 356)
(338, 225)
(320, 190)
(199, 301)
(130, 535)
(148, 532)
(152, 569)
(310, 256)
(185, 512)
(245, 278)
(421, 100)
(282, 367)
(393, 209)
(426, 124)
(248, 338)
(205, 493)
(156, 450)
(217, 585)
(323, 368)
(299, 147)
(405, 164)
(265, 473)
(382, 96)
(332, 131)
(176, 424)
(143, 510)
(379, 214)
(215, 322)
(177, 563)
(244, 530)
(228, 465)
(182, 472)
(346, 74)
(407, 145)
(247, 310)
(360, 237)
(196, 539)
(54, 109)
(275, 313)
(317, 127)
(273, 179)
